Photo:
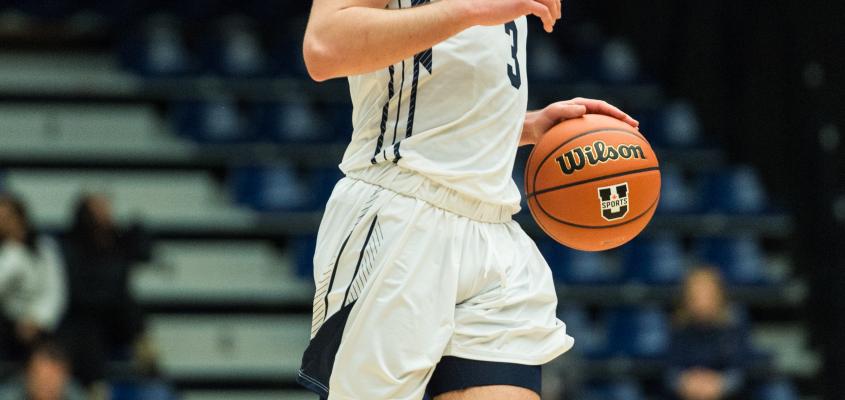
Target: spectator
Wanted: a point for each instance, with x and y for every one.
(708, 343)
(32, 281)
(103, 319)
(47, 377)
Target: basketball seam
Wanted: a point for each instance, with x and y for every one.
(580, 135)
(591, 180)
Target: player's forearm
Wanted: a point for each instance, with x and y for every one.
(358, 40)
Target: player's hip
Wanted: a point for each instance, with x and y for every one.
(418, 185)
(367, 228)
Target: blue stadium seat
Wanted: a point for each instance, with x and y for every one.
(340, 115)
(277, 188)
(303, 248)
(734, 191)
(619, 63)
(740, 258)
(637, 332)
(654, 261)
(191, 10)
(290, 123)
(157, 50)
(210, 121)
(676, 196)
(282, 188)
(235, 50)
(322, 182)
(681, 127)
(578, 267)
(615, 390)
(141, 390)
(47, 9)
(545, 63)
(285, 57)
(588, 342)
(777, 390)
(118, 13)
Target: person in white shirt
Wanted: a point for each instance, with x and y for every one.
(33, 292)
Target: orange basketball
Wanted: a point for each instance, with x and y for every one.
(592, 183)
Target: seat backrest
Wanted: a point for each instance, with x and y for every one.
(656, 260)
(639, 332)
(676, 196)
(740, 258)
(777, 390)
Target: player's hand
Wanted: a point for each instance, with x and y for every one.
(497, 12)
(539, 122)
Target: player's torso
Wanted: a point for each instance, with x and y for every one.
(453, 113)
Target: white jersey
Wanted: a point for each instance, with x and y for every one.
(452, 114)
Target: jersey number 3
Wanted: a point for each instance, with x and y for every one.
(514, 71)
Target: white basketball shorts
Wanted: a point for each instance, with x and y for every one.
(412, 299)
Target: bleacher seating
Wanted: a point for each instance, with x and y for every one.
(142, 390)
(734, 191)
(159, 198)
(234, 50)
(638, 332)
(777, 390)
(290, 122)
(590, 342)
(578, 267)
(248, 395)
(618, 390)
(277, 188)
(740, 258)
(655, 261)
(680, 126)
(213, 347)
(676, 197)
(211, 121)
(158, 50)
(220, 272)
(84, 132)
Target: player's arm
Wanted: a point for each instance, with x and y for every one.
(539, 122)
(350, 37)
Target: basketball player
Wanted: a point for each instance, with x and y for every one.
(424, 283)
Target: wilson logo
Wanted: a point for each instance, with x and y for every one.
(597, 153)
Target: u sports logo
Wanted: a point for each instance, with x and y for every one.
(614, 201)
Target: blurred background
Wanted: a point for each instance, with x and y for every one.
(163, 167)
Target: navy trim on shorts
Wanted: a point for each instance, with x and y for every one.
(454, 373)
(318, 359)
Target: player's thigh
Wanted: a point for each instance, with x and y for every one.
(490, 393)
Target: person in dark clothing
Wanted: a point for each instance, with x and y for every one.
(709, 345)
(103, 320)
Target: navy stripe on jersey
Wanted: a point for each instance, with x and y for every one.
(396, 155)
(423, 58)
(399, 107)
(384, 114)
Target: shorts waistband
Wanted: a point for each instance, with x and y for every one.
(414, 185)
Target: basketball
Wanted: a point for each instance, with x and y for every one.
(592, 183)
